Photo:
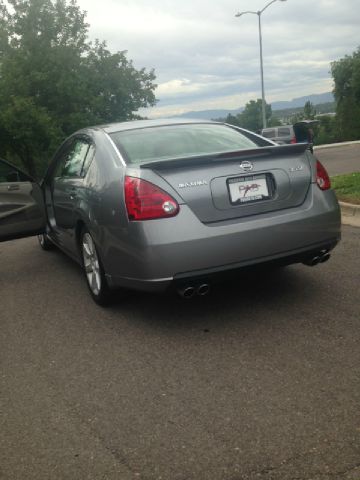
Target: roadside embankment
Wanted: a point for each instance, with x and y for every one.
(350, 214)
(334, 145)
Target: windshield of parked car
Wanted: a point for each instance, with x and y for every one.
(179, 141)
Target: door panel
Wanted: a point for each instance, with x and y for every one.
(22, 212)
(65, 186)
(66, 195)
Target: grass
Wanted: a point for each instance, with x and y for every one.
(347, 187)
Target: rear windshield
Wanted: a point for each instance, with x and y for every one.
(179, 141)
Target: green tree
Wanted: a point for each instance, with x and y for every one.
(309, 111)
(53, 81)
(274, 122)
(231, 119)
(251, 116)
(346, 75)
(327, 131)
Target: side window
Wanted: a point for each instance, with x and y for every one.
(268, 133)
(10, 174)
(284, 132)
(71, 160)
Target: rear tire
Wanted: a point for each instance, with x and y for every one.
(94, 271)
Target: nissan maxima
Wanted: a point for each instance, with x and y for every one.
(150, 205)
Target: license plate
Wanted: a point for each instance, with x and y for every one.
(250, 188)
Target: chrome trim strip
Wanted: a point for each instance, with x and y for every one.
(142, 280)
(116, 149)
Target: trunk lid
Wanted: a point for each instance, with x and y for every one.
(239, 184)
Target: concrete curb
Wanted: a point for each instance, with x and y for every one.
(350, 214)
(334, 145)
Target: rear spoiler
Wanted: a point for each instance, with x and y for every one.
(271, 150)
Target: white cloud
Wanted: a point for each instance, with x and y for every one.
(204, 57)
(177, 87)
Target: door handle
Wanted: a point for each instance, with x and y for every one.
(11, 188)
(72, 194)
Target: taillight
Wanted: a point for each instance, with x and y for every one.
(322, 177)
(293, 140)
(145, 201)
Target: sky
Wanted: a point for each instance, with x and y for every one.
(206, 58)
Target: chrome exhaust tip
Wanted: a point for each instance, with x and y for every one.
(203, 289)
(325, 257)
(312, 261)
(321, 257)
(186, 292)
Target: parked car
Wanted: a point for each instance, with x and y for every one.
(300, 132)
(280, 135)
(149, 205)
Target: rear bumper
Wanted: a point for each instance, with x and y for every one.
(183, 249)
(218, 274)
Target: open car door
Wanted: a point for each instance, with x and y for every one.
(22, 207)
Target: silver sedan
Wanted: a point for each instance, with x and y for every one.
(149, 205)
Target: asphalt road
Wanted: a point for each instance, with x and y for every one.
(339, 160)
(259, 380)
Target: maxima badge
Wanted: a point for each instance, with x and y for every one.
(246, 166)
(196, 183)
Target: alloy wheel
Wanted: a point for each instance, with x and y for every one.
(91, 264)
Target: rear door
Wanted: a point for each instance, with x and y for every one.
(22, 211)
(66, 185)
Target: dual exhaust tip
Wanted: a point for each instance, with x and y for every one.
(321, 257)
(190, 291)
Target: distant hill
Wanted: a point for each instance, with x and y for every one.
(283, 105)
(208, 114)
(300, 102)
(286, 114)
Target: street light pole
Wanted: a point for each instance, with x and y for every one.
(259, 13)
(262, 74)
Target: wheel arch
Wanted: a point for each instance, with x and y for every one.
(80, 225)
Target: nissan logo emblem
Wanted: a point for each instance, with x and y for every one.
(247, 166)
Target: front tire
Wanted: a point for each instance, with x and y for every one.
(44, 242)
(93, 269)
